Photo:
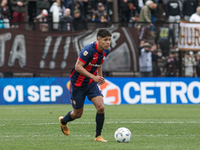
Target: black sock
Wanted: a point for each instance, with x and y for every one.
(67, 118)
(99, 123)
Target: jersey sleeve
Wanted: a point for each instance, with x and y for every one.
(84, 56)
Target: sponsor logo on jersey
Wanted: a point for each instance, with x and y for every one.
(94, 65)
(111, 93)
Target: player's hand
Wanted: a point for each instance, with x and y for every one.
(101, 82)
(99, 79)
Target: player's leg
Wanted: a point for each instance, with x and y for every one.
(98, 103)
(94, 94)
(76, 113)
(72, 115)
(78, 98)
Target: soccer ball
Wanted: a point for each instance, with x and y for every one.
(122, 135)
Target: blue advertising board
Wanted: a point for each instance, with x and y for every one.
(34, 91)
(151, 91)
(53, 90)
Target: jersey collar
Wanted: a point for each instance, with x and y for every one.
(95, 43)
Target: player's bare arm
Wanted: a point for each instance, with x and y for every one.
(79, 67)
(99, 73)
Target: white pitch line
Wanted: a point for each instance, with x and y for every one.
(154, 122)
(133, 135)
(22, 136)
(115, 122)
(166, 135)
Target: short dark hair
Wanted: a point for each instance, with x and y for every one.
(103, 32)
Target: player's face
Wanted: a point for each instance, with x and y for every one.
(104, 42)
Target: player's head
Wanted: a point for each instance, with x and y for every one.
(103, 32)
(104, 38)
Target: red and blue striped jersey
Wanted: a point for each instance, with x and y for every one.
(92, 58)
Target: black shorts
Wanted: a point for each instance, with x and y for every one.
(78, 94)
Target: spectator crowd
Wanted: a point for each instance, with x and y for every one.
(153, 18)
(149, 12)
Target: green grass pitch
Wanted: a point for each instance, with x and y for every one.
(153, 127)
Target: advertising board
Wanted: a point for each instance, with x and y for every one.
(116, 91)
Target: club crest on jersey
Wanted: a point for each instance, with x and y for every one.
(85, 53)
(74, 102)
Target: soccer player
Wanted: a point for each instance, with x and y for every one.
(85, 78)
